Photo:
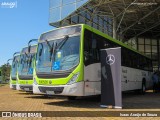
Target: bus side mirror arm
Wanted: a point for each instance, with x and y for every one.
(40, 52)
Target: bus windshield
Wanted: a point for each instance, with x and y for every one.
(58, 54)
(26, 64)
(14, 66)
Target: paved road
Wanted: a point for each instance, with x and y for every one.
(13, 100)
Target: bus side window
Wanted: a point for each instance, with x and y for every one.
(146, 64)
(87, 47)
(126, 59)
(143, 63)
(91, 48)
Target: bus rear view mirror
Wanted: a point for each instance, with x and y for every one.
(14, 65)
(40, 52)
(29, 49)
(13, 59)
(7, 64)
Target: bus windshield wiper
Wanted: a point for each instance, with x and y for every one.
(51, 48)
(40, 51)
(60, 45)
(26, 55)
(15, 62)
(26, 58)
(23, 59)
(30, 60)
(48, 44)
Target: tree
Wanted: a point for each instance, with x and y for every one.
(5, 71)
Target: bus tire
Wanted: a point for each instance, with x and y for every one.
(143, 90)
(71, 97)
(46, 96)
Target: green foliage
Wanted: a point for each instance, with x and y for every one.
(5, 71)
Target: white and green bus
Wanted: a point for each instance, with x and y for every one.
(68, 63)
(25, 69)
(14, 70)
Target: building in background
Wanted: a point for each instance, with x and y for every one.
(135, 22)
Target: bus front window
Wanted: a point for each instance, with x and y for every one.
(14, 67)
(25, 65)
(64, 56)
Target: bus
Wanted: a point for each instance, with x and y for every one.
(13, 73)
(68, 63)
(25, 69)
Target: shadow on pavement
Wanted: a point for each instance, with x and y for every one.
(25, 93)
(37, 96)
(87, 102)
(149, 100)
(131, 100)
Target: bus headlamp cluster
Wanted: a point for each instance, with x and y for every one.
(73, 79)
(34, 80)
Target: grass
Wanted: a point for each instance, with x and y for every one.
(3, 84)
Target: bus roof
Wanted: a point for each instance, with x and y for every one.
(112, 39)
(31, 46)
(102, 34)
(27, 47)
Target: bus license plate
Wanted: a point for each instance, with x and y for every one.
(26, 89)
(50, 92)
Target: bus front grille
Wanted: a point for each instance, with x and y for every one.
(57, 90)
(30, 88)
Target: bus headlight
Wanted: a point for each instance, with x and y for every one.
(73, 79)
(34, 80)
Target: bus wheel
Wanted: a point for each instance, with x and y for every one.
(71, 97)
(143, 88)
(46, 96)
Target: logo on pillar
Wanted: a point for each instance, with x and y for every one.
(110, 59)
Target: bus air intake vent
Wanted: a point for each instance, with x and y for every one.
(57, 90)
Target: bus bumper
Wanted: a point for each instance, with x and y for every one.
(10, 85)
(27, 88)
(36, 89)
(76, 89)
(18, 87)
(13, 86)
